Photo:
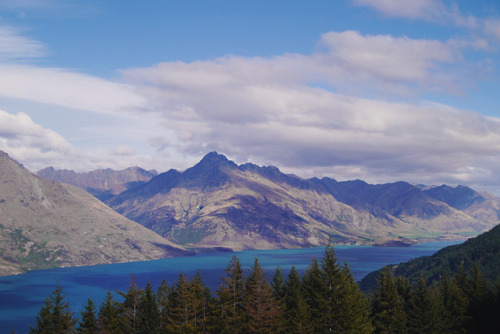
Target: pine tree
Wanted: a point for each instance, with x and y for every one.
(131, 305)
(202, 304)
(354, 306)
(149, 316)
(261, 307)
(230, 312)
(333, 283)
(88, 322)
(277, 283)
(44, 322)
(389, 315)
(54, 316)
(110, 317)
(315, 293)
(455, 306)
(296, 313)
(478, 294)
(426, 310)
(180, 308)
(162, 294)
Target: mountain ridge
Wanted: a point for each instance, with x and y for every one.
(217, 202)
(46, 224)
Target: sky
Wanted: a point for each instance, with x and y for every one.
(378, 90)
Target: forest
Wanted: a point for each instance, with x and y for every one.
(325, 299)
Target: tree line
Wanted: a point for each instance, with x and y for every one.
(325, 299)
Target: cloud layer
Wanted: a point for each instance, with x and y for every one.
(337, 111)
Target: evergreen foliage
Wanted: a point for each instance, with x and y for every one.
(326, 299)
(262, 308)
(88, 323)
(231, 315)
(54, 316)
(110, 318)
(388, 309)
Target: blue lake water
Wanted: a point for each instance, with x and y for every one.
(22, 296)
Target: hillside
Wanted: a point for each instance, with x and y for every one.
(483, 250)
(49, 224)
(218, 203)
(102, 183)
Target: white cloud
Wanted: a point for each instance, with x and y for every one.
(267, 110)
(68, 89)
(30, 143)
(14, 46)
(410, 9)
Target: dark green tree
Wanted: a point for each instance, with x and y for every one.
(55, 316)
(262, 309)
(131, 305)
(455, 306)
(180, 309)
(162, 294)
(389, 315)
(44, 322)
(334, 285)
(315, 293)
(354, 307)
(202, 304)
(110, 317)
(88, 321)
(425, 310)
(149, 316)
(296, 312)
(277, 283)
(230, 313)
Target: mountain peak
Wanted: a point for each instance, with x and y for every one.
(214, 157)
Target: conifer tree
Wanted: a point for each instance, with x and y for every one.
(230, 312)
(354, 306)
(426, 310)
(389, 315)
(277, 283)
(44, 322)
(55, 316)
(149, 316)
(478, 294)
(180, 308)
(88, 321)
(315, 293)
(202, 304)
(333, 283)
(296, 313)
(262, 309)
(110, 317)
(131, 305)
(162, 294)
(455, 306)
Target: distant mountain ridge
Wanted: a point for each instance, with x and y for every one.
(47, 224)
(217, 202)
(102, 183)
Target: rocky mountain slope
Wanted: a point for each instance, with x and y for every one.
(102, 183)
(217, 202)
(49, 224)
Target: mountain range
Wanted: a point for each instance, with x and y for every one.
(102, 183)
(219, 203)
(50, 224)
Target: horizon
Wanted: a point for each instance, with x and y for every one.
(376, 90)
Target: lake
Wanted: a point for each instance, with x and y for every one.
(22, 296)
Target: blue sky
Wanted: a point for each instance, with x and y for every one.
(380, 90)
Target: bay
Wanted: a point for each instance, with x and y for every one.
(21, 296)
